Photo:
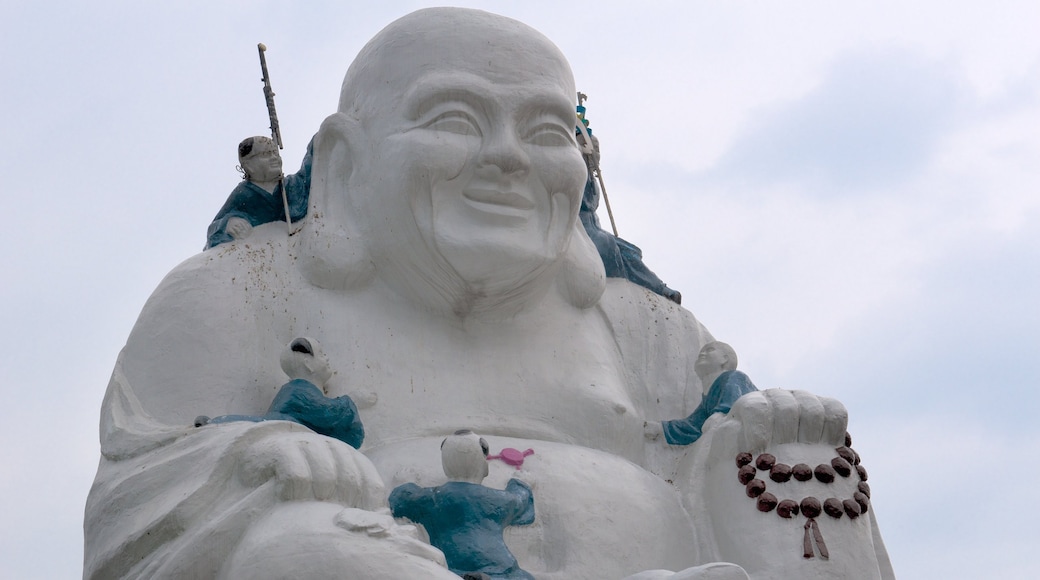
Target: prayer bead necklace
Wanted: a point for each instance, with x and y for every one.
(842, 466)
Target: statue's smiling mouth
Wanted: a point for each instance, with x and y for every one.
(505, 203)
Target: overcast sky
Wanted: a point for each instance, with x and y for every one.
(846, 192)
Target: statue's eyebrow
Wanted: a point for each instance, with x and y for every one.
(552, 104)
(435, 89)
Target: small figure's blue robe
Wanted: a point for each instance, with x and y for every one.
(621, 258)
(255, 205)
(724, 391)
(300, 401)
(465, 521)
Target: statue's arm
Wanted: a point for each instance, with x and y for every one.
(411, 501)
(234, 207)
(298, 186)
(523, 502)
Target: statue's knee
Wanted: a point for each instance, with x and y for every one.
(309, 540)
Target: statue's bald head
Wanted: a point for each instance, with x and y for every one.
(460, 39)
(453, 157)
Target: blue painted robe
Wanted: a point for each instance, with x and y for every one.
(465, 521)
(300, 401)
(255, 205)
(727, 388)
(621, 258)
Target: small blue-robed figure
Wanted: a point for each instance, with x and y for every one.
(258, 198)
(716, 366)
(302, 399)
(621, 258)
(465, 519)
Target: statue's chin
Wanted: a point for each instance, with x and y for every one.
(472, 279)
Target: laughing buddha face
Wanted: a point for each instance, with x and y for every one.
(467, 158)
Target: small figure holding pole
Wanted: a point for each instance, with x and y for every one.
(621, 258)
(265, 194)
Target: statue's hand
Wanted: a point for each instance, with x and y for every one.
(653, 430)
(308, 466)
(776, 452)
(763, 419)
(238, 228)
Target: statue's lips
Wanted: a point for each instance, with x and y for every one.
(504, 203)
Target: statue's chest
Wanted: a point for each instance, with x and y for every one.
(559, 384)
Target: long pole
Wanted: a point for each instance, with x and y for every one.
(276, 133)
(589, 151)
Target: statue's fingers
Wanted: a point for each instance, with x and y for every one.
(811, 417)
(755, 414)
(357, 482)
(785, 415)
(294, 474)
(835, 423)
(322, 468)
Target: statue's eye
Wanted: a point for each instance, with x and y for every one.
(484, 445)
(458, 122)
(550, 135)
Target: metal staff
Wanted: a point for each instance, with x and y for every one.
(276, 133)
(589, 151)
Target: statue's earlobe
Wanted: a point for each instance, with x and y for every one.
(582, 274)
(330, 252)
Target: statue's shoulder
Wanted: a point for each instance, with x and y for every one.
(231, 267)
(640, 316)
(658, 341)
(197, 324)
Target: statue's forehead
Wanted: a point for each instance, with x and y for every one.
(495, 59)
(444, 42)
(432, 86)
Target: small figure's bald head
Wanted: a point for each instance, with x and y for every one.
(464, 456)
(714, 357)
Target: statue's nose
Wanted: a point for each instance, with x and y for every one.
(504, 150)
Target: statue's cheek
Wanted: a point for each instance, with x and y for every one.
(561, 171)
(429, 157)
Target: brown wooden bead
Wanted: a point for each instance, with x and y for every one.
(746, 474)
(811, 507)
(824, 473)
(841, 467)
(862, 471)
(780, 473)
(743, 458)
(856, 460)
(848, 439)
(862, 500)
(864, 488)
(787, 508)
(852, 508)
(765, 461)
(846, 454)
(766, 502)
(833, 508)
(755, 488)
(802, 472)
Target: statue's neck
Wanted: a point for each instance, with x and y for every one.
(709, 379)
(439, 290)
(268, 186)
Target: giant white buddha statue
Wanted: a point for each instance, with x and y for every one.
(444, 271)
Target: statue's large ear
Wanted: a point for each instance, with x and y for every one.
(329, 251)
(583, 277)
